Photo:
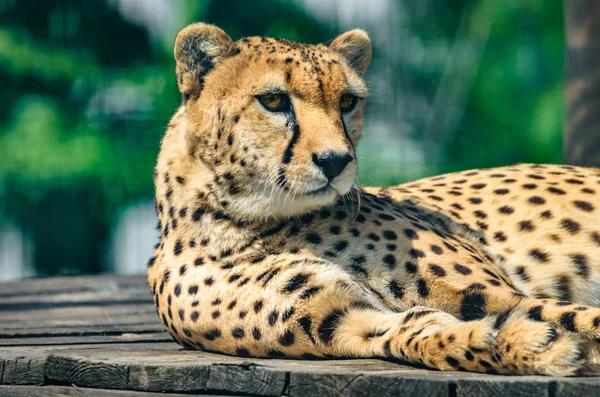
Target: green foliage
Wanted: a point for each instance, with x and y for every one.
(515, 112)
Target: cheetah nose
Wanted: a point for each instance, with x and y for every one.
(332, 163)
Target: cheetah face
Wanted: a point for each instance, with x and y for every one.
(277, 122)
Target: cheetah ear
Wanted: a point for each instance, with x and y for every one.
(355, 46)
(197, 48)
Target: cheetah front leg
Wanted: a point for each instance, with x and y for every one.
(294, 308)
(509, 343)
(570, 315)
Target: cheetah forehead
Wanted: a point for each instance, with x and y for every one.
(308, 71)
(207, 58)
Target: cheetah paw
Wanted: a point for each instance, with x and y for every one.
(530, 347)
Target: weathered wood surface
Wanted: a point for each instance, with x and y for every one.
(89, 336)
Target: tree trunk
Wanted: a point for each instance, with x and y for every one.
(582, 85)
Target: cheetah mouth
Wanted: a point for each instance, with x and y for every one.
(323, 190)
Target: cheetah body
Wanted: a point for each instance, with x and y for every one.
(491, 270)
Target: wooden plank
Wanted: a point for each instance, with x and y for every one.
(76, 315)
(80, 321)
(87, 373)
(68, 391)
(247, 378)
(106, 329)
(82, 299)
(366, 384)
(578, 387)
(173, 378)
(64, 284)
(97, 294)
(68, 340)
(20, 370)
(501, 386)
(108, 374)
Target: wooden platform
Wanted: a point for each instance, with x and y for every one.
(100, 336)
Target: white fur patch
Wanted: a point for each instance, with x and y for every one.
(593, 292)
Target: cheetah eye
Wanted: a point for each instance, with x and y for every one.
(348, 102)
(275, 102)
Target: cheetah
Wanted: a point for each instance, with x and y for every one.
(269, 249)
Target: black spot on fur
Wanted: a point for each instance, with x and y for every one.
(583, 205)
(238, 333)
(296, 282)
(313, 238)
(537, 200)
(437, 270)
(563, 286)
(567, 320)
(178, 248)
(389, 235)
(411, 234)
(416, 254)
(422, 288)
(396, 289)
(306, 324)
(452, 361)
(583, 267)
(309, 292)
(526, 226)
(473, 306)
(287, 339)
(535, 313)
(570, 226)
(197, 214)
(273, 316)
(373, 237)
(390, 261)
(501, 319)
(329, 325)
(212, 334)
(276, 354)
(287, 314)
(242, 352)
(539, 255)
(462, 269)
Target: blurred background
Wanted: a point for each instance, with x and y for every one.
(88, 88)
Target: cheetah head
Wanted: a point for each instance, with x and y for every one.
(271, 125)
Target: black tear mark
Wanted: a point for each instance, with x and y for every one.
(346, 134)
(289, 151)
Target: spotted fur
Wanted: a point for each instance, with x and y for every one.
(491, 270)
